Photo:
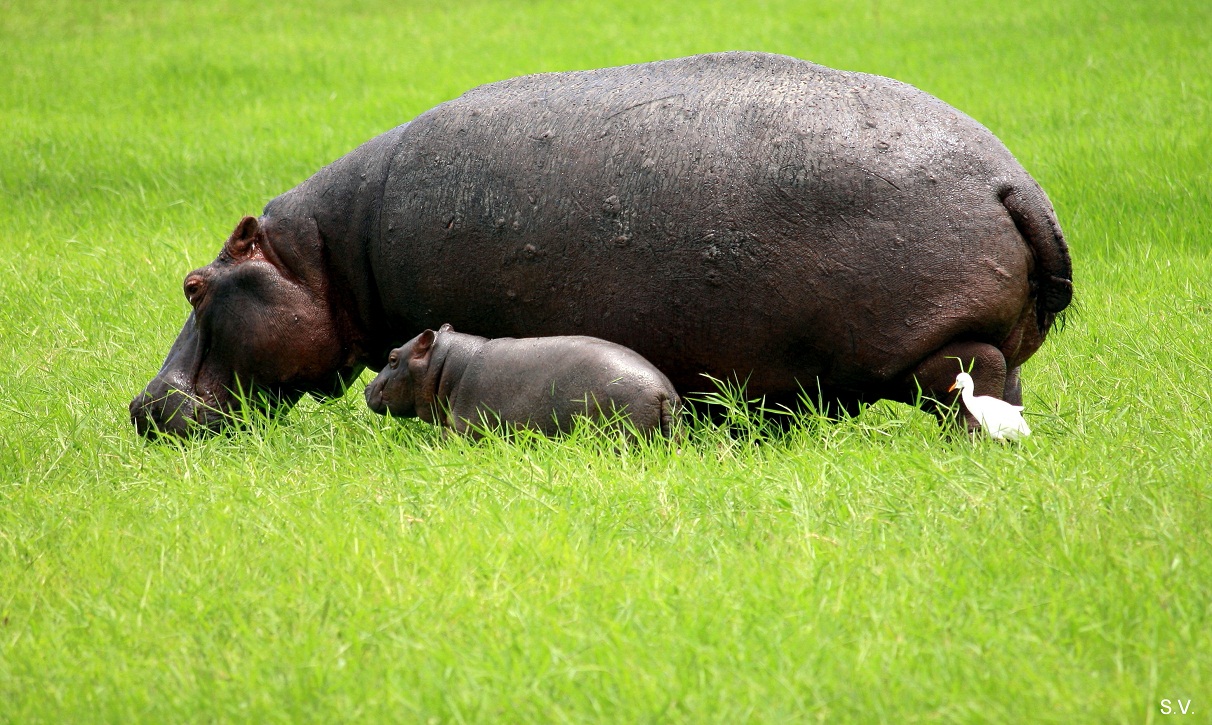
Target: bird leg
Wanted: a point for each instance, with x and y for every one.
(934, 375)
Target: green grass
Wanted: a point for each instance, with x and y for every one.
(335, 566)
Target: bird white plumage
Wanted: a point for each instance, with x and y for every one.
(998, 418)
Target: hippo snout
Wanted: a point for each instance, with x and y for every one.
(162, 409)
(374, 397)
(170, 411)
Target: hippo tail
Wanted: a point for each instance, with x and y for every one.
(1035, 219)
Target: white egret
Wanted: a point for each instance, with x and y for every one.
(1000, 419)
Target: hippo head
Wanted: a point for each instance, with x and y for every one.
(395, 389)
(262, 331)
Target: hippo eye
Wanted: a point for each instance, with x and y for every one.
(193, 289)
(393, 360)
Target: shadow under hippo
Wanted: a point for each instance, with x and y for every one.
(748, 216)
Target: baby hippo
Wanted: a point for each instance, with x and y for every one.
(466, 382)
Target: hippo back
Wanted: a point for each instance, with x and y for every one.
(733, 214)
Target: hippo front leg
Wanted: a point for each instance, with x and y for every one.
(936, 374)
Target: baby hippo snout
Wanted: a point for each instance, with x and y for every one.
(374, 396)
(391, 390)
(545, 384)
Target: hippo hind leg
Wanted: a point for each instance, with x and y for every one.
(937, 373)
(1014, 386)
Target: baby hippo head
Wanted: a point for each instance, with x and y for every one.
(396, 388)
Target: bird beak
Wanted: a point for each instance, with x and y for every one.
(952, 387)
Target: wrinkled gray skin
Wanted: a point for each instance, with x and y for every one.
(465, 382)
(745, 215)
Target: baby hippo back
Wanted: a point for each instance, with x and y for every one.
(544, 383)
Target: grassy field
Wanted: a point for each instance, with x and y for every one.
(336, 566)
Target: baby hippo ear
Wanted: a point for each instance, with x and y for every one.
(423, 344)
(247, 235)
(422, 349)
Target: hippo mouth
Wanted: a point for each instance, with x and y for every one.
(178, 403)
(163, 410)
(177, 413)
(374, 396)
(169, 405)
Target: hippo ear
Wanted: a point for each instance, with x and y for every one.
(422, 349)
(247, 235)
(446, 327)
(424, 345)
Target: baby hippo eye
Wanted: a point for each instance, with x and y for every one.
(393, 360)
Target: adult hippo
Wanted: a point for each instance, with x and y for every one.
(744, 215)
